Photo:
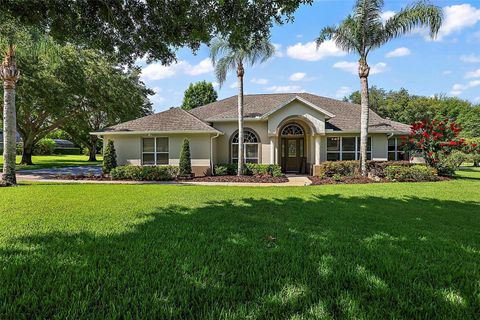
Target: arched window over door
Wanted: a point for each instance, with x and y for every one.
(292, 130)
(251, 144)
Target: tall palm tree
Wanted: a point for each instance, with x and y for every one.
(364, 30)
(225, 58)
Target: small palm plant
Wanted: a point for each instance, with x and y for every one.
(225, 58)
(363, 30)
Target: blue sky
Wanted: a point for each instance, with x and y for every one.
(448, 65)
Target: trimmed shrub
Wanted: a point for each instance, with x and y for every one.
(254, 169)
(342, 168)
(412, 173)
(377, 168)
(109, 158)
(185, 165)
(68, 151)
(450, 163)
(225, 169)
(250, 169)
(44, 147)
(144, 173)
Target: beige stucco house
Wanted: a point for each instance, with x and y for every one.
(295, 130)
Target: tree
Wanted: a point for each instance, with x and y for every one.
(225, 57)
(185, 165)
(109, 158)
(199, 94)
(363, 31)
(108, 95)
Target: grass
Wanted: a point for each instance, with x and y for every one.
(56, 161)
(378, 251)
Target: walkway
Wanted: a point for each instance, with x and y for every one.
(48, 175)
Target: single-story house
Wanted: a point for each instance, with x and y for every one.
(295, 130)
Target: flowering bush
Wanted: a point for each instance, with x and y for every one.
(435, 141)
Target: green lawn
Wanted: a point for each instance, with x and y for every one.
(379, 251)
(57, 161)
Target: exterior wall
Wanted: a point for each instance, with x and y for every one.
(297, 109)
(129, 149)
(222, 143)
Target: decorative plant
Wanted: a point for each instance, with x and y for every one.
(185, 165)
(436, 140)
(109, 158)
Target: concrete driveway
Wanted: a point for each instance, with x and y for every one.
(46, 174)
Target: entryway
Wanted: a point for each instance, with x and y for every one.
(292, 153)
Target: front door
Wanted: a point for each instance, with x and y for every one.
(293, 155)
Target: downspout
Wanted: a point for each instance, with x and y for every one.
(211, 151)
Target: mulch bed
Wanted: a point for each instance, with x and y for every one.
(248, 179)
(81, 177)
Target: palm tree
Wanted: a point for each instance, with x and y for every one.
(225, 58)
(9, 74)
(363, 30)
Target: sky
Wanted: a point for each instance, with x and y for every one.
(449, 65)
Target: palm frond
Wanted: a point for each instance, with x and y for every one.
(258, 52)
(326, 33)
(222, 67)
(421, 14)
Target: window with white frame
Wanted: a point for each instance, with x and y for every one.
(346, 148)
(251, 144)
(395, 150)
(155, 151)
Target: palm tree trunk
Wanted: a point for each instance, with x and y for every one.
(363, 72)
(9, 74)
(240, 73)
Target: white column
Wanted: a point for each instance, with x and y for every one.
(317, 150)
(272, 150)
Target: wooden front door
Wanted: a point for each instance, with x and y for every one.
(293, 157)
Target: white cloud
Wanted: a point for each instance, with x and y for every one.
(204, 66)
(157, 71)
(343, 91)
(281, 89)
(471, 58)
(278, 50)
(234, 85)
(297, 76)
(352, 67)
(215, 84)
(458, 88)
(259, 81)
(309, 52)
(399, 52)
(387, 15)
(457, 18)
(473, 74)
(157, 98)
(447, 72)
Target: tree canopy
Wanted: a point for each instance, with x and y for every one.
(407, 108)
(156, 28)
(199, 94)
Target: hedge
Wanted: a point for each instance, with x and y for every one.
(144, 173)
(412, 173)
(352, 167)
(250, 169)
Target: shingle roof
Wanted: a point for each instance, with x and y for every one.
(347, 115)
(175, 119)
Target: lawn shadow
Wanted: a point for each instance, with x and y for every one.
(322, 257)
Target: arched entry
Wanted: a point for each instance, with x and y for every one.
(292, 148)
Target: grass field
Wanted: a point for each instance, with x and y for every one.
(56, 161)
(378, 251)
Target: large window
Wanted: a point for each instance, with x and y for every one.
(251, 144)
(155, 151)
(395, 150)
(346, 148)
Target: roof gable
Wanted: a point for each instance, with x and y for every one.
(307, 103)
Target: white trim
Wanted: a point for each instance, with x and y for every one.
(328, 131)
(256, 119)
(308, 103)
(106, 133)
(340, 152)
(155, 152)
